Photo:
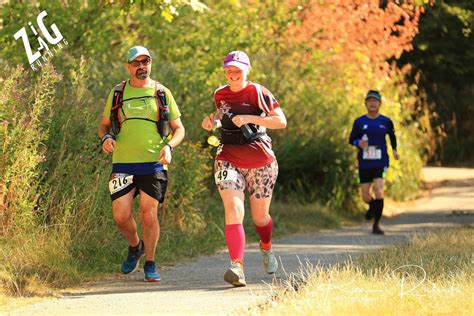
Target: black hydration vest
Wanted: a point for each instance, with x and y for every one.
(163, 116)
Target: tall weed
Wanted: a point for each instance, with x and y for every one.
(25, 112)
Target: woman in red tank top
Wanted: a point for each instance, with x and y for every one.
(245, 162)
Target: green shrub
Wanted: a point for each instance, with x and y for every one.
(187, 192)
(25, 111)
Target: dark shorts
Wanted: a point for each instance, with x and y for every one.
(368, 175)
(152, 184)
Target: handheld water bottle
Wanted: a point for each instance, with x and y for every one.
(365, 138)
(246, 130)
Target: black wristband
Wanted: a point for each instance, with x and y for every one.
(171, 148)
(105, 137)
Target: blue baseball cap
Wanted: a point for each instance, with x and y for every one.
(238, 59)
(374, 94)
(136, 51)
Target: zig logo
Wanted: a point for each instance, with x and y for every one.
(54, 39)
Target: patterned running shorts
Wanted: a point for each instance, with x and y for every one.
(258, 182)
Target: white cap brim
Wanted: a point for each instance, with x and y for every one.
(241, 66)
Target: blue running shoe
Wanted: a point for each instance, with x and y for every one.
(150, 272)
(134, 256)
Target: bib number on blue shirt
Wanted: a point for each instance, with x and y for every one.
(372, 153)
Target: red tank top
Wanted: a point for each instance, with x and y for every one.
(254, 99)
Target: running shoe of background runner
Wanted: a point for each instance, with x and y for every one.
(377, 230)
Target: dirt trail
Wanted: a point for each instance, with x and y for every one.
(197, 286)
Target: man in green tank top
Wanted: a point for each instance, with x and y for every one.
(140, 155)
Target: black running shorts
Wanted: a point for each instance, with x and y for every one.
(368, 175)
(153, 184)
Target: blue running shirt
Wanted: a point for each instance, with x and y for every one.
(376, 129)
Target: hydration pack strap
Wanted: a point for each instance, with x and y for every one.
(162, 117)
(117, 102)
(236, 136)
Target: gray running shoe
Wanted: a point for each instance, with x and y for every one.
(269, 262)
(235, 275)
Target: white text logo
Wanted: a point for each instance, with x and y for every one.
(55, 40)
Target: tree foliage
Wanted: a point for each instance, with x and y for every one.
(440, 65)
(370, 32)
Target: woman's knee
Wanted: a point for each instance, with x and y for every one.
(261, 219)
(234, 214)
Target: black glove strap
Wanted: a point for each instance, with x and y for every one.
(105, 137)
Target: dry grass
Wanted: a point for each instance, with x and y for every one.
(8, 304)
(424, 277)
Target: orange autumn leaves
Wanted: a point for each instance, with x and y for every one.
(357, 31)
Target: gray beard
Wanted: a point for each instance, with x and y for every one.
(141, 75)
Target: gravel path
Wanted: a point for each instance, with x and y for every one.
(196, 287)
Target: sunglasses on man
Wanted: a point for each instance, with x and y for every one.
(136, 63)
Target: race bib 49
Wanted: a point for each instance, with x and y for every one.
(226, 175)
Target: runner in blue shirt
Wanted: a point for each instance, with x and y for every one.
(368, 135)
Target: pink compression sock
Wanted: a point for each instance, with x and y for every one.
(265, 232)
(235, 239)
